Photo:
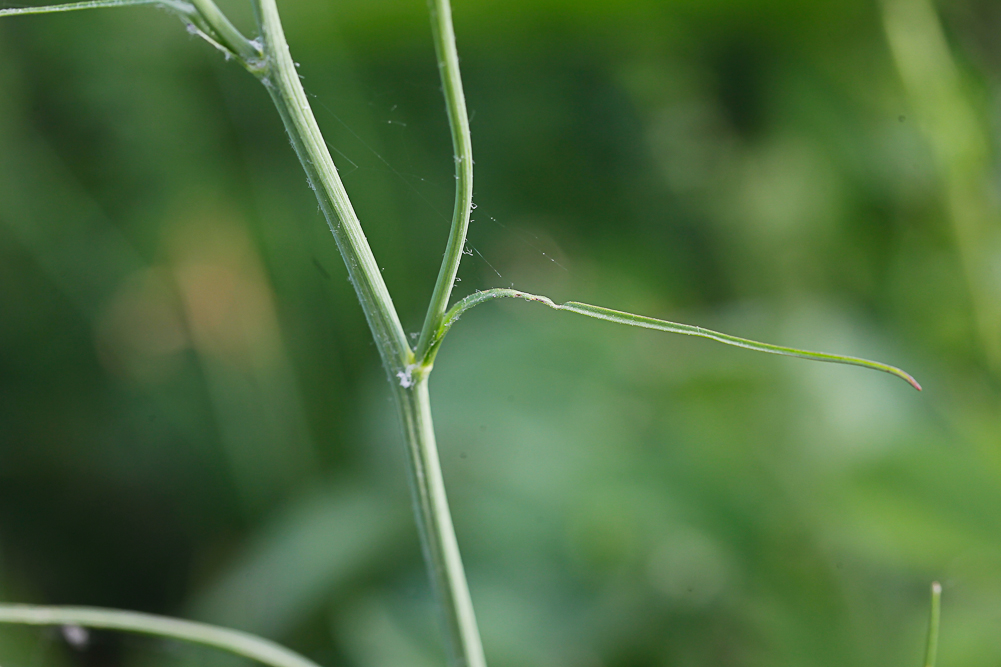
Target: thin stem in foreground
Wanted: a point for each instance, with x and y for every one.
(462, 145)
(281, 79)
(931, 645)
(234, 641)
(434, 522)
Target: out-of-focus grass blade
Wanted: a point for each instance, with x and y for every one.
(620, 317)
(92, 4)
(931, 646)
(240, 643)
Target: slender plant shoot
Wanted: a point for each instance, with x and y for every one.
(931, 645)
(269, 60)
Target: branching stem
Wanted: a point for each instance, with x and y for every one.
(407, 369)
(407, 377)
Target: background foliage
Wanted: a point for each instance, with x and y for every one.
(192, 416)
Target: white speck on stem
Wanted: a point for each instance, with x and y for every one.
(406, 376)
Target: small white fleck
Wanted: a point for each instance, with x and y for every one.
(75, 636)
(406, 376)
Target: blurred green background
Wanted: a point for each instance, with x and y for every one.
(193, 420)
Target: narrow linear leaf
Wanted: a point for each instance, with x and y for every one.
(630, 319)
(240, 643)
(93, 4)
(931, 646)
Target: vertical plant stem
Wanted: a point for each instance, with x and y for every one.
(408, 379)
(931, 646)
(462, 145)
(441, 551)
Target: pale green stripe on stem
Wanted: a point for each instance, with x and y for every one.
(630, 319)
(233, 641)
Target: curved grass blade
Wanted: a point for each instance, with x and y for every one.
(93, 4)
(931, 646)
(620, 317)
(240, 643)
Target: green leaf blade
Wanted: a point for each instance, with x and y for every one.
(690, 330)
(631, 319)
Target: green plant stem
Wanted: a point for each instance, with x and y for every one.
(240, 643)
(931, 646)
(462, 145)
(226, 34)
(281, 78)
(408, 379)
(88, 4)
(201, 15)
(441, 551)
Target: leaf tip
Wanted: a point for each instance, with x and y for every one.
(903, 375)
